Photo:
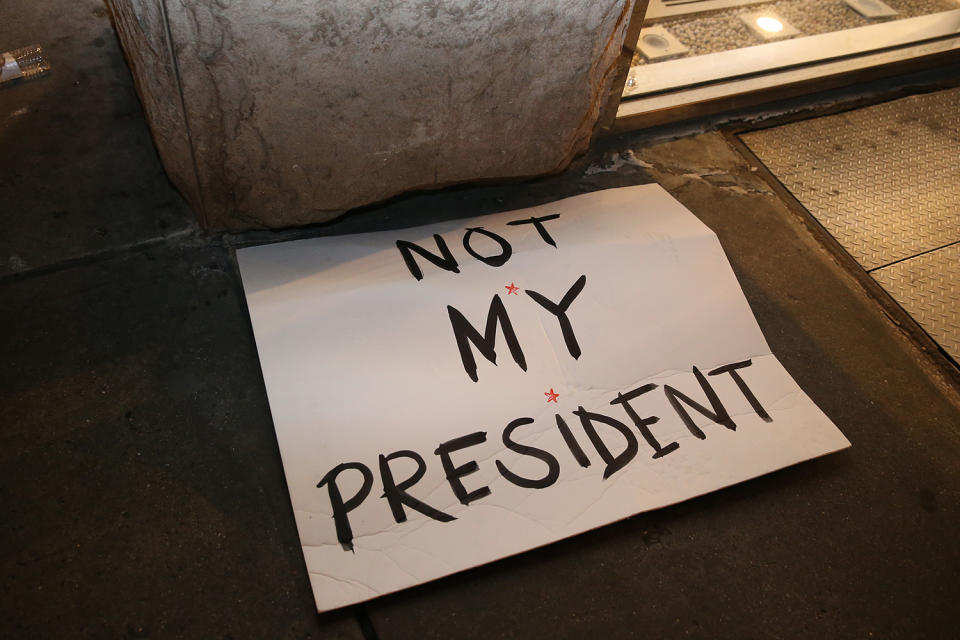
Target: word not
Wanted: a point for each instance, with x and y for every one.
(445, 259)
(398, 496)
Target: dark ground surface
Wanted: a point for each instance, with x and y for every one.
(140, 483)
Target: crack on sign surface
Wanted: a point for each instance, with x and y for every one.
(353, 583)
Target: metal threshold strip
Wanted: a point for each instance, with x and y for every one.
(665, 91)
(661, 9)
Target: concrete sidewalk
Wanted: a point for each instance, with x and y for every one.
(141, 485)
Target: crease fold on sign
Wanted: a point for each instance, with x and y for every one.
(673, 392)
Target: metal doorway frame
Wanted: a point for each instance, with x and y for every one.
(703, 85)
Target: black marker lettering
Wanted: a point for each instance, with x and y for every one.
(537, 223)
(553, 467)
(396, 494)
(455, 473)
(744, 389)
(718, 415)
(465, 333)
(572, 443)
(643, 424)
(560, 310)
(494, 261)
(444, 261)
(341, 508)
(614, 463)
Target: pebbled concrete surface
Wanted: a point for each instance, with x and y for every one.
(142, 490)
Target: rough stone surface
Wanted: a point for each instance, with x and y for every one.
(155, 73)
(297, 111)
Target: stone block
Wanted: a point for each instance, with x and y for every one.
(277, 114)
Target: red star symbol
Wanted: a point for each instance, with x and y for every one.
(551, 396)
(512, 288)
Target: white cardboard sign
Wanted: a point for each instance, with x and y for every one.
(448, 395)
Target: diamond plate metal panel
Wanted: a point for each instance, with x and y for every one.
(928, 286)
(884, 180)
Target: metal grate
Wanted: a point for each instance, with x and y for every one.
(885, 182)
(928, 287)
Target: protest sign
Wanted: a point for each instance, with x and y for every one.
(448, 395)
